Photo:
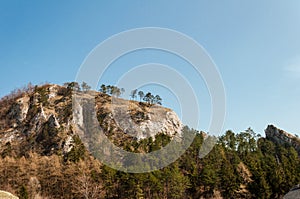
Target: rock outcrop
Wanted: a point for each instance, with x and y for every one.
(294, 193)
(45, 119)
(281, 137)
(6, 195)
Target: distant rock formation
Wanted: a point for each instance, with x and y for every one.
(279, 136)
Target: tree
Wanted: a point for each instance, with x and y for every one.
(109, 89)
(246, 142)
(23, 192)
(208, 178)
(122, 91)
(116, 91)
(72, 86)
(147, 97)
(152, 99)
(133, 94)
(86, 185)
(141, 94)
(157, 99)
(175, 183)
(34, 187)
(103, 89)
(229, 179)
(85, 86)
(228, 140)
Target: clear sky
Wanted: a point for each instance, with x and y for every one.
(255, 44)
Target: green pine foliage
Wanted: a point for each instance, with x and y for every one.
(241, 165)
(77, 152)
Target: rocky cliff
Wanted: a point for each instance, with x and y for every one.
(281, 137)
(44, 118)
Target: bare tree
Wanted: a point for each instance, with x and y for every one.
(34, 187)
(86, 185)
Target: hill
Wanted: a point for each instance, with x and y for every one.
(42, 120)
(44, 152)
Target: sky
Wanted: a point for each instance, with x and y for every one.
(254, 44)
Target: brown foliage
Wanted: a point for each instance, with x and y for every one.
(50, 177)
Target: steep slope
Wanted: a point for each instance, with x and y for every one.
(42, 119)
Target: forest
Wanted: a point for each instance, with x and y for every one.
(242, 165)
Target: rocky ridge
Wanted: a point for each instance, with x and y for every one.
(281, 137)
(42, 119)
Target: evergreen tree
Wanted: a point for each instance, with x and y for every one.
(133, 94)
(148, 97)
(85, 87)
(103, 89)
(141, 94)
(158, 100)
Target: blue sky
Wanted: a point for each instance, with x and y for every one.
(255, 45)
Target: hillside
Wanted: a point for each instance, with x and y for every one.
(42, 120)
(44, 154)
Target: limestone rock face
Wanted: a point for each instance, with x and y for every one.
(281, 137)
(45, 119)
(118, 116)
(169, 123)
(20, 108)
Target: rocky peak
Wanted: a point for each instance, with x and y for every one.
(281, 137)
(42, 120)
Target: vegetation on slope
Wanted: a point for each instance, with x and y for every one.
(237, 167)
(243, 165)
